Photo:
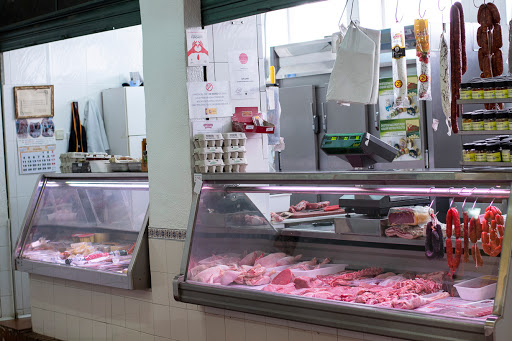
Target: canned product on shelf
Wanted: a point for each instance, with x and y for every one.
(467, 121)
(493, 152)
(468, 152)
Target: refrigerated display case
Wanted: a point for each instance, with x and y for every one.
(88, 228)
(362, 266)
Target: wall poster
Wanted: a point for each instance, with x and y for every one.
(400, 127)
(36, 145)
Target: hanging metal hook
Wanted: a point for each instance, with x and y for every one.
(396, 13)
(419, 11)
(439, 6)
(343, 12)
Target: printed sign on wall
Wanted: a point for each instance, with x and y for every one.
(197, 47)
(36, 145)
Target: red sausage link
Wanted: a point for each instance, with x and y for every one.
(462, 38)
(449, 224)
(466, 236)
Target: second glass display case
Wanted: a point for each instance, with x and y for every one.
(421, 256)
(88, 228)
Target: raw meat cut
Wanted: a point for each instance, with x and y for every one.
(211, 275)
(310, 265)
(408, 215)
(317, 205)
(251, 258)
(270, 260)
(254, 220)
(299, 207)
(285, 289)
(284, 277)
(288, 260)
(276, 217)
(307, 282)
(413, 301)
(361, 273)
(229, 277)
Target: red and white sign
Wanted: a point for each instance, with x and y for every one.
(197, 47)
(244, 74)
(209, 86)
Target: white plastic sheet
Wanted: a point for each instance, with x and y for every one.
(354, 78)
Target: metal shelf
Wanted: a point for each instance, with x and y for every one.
(486, 164)
(485, 132)
(485, 100)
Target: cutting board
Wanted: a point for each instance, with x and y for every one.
(312, 214)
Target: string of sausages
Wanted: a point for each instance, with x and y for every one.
(453, 225)
(489, 38)
(493, 231)
(458, 59)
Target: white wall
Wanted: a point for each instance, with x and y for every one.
(79, 68)
(6, 293)
(244, 33)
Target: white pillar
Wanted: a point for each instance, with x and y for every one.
(168, 136)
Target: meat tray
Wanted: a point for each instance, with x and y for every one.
(325, 269)
(473, 290)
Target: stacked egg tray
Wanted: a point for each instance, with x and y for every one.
(218, 153)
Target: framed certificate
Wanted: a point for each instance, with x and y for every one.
(33, 101)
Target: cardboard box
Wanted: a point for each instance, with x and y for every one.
(242, 120)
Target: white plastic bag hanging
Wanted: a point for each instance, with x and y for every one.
(423, 59)
(352, 78)
(399, 66)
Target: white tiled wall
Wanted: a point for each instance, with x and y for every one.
(244, 33)
(75, 311)
(79, 68)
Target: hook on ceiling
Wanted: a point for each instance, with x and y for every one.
(439, 6)
(396, 13)
(419, 11)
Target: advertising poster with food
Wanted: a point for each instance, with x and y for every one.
(387, 107)
(400, 127)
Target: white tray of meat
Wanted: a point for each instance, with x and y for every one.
(477, 289)
(325, 269)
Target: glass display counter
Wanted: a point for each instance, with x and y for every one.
(413, 255)
(88, 228)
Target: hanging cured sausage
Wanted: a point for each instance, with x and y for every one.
(458, 60)
(489, 39)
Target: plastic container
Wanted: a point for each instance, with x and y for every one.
(489, 90)
(480, 152)
(477, 121)
(279, 202)
(209, 166)
(234, 139)
(208, 153)
(502, 120)
(237, 165)
(119, 166)
(233, 152)
(493, 152)
(490, 120)
(135, 166)
(477, 289)
(208, 140)
(501, 89)
(477, 91)
(505, 151)
(326, 269)
(467, 121)
(468, 152)
(465, 91)
(100, 166)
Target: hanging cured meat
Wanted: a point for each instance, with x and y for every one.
(453, 225)
(489, 39)
(458, 60)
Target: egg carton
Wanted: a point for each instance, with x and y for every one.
(208, 140)
(236, 165)
(208, 153)
(209, 166)
(72, 156)
(234, 139)
(234, 152)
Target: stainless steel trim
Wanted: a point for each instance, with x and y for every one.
(190, 233)
(503, 275)
(490, 328)
(324, 118)
(176, 287)
(425, 177)
(372, 320)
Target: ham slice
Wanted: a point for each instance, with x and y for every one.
(284, 277)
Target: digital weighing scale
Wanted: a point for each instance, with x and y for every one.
(361, 150)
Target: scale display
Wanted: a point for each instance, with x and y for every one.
(343, 143)
(359, 149)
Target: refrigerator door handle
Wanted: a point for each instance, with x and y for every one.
(315, 120)
(324, 118)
